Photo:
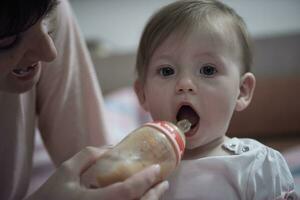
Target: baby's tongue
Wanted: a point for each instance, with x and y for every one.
(186, 112)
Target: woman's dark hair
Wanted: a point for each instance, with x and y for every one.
(18, 15)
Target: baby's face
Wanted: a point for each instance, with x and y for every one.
(195, 78)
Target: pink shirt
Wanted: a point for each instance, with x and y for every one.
(66, 105)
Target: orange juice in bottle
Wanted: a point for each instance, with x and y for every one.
(159, 142)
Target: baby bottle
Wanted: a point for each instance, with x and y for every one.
(159, 142)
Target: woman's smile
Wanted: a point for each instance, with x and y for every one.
(27, 72)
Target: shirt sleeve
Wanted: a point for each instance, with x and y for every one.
(69, 101)
(270, 178)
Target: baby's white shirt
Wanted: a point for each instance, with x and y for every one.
(252, 171)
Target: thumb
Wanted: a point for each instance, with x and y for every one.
(83, 160)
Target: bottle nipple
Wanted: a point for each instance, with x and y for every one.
(184, 125)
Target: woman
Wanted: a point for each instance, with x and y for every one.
(47, 80)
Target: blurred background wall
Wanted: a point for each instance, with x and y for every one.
(113, 28)
(118, 23)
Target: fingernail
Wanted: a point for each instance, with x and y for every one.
(156, 168)
(165, 185)
(110, 146)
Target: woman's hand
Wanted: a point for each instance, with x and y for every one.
(65, 182)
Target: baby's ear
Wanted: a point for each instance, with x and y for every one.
(139, 91)
(247, 86)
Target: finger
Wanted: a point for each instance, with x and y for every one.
(135, 186)
(83, 159)
(107, 146)
(139, 183)
(156, 192)
(132, 188)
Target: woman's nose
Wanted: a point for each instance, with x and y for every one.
(42, 49)
(185, 85)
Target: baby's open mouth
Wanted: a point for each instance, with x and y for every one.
(187, 112)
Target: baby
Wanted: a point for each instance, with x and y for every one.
(193, 63)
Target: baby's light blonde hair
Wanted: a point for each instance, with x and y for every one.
(184, 16)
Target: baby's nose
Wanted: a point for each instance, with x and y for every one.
(184, 85)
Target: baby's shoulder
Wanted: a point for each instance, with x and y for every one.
(257, 157)
(266, 167)
(244, 146)
(253, 149)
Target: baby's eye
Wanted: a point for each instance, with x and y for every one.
(208, 70)
(8, 42)
(166, 71)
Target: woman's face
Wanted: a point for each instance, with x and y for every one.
(21, 56)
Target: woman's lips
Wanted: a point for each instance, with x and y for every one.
(25, 73)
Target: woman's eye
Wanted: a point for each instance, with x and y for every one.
(208, 70)
(51, 33)
(166, 71)
(8, 42)
(48, 26)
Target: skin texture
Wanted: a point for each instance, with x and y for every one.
(35, 46)
(67, 182)
(200, 71)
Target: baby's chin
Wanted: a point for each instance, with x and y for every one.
(192, 146)
(195, 144)
(197, 141)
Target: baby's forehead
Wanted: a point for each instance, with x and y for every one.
(199, 41)
(206, 36)
(218, 30)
